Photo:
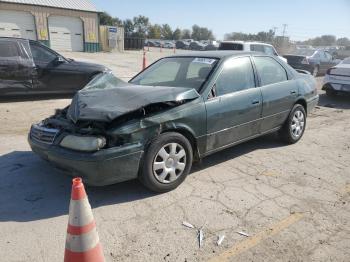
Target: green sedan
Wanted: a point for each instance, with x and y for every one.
(178, 110)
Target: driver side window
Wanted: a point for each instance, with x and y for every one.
(237, 75)
(41, 55)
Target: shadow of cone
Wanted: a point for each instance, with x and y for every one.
(82, 243)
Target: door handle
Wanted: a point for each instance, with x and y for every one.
(256, 102)
(293, 92)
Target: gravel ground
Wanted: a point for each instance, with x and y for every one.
(293, 201)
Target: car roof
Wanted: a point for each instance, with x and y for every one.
(216, 54)
(18, 38)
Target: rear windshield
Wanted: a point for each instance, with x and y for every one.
(231, 46)
(304, 52)
(188, 72)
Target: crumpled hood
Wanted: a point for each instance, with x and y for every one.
(108, 104)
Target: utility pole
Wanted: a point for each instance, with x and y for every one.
(284, 30)
(274, 29)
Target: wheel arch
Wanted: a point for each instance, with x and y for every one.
(301, 101)
(188, 135)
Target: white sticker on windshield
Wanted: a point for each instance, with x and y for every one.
(203, 60)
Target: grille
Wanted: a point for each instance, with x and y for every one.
(42, 134)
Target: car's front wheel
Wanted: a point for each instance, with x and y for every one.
(293, 129)
(167, 162)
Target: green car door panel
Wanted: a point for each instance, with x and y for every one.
(278, 92)
(234, 110)
(233, 117)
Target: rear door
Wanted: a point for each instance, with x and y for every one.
(278, 92)
(234, 106)
(16, 67)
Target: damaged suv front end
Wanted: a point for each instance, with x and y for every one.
(103, 134)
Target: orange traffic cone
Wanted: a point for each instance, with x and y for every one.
(82, 243)
(144, 63)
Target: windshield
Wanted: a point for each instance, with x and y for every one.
(105, 80)
(189, 72)
(305, 52)
(346, 61)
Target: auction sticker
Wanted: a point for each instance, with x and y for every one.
(202, 60)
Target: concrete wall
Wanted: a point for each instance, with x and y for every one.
(41, 14)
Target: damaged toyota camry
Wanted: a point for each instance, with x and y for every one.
(178, 110)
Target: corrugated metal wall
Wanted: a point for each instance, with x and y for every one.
(41, 14)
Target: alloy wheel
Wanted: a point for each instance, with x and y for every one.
(298, 123)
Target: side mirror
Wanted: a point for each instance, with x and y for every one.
(59, 60)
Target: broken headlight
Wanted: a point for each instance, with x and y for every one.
(83, 143)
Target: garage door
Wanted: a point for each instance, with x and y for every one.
(66, 33)
(17, 24)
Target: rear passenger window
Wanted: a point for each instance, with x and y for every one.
(269, 70)
(237, 75)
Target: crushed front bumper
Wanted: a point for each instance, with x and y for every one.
(104, 167)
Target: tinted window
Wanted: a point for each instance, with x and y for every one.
(231, 46)
(8, 49)
(41, 54)
(257, 48)
(236, 75)
(270, 71)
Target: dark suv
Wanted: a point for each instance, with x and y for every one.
(29, 67)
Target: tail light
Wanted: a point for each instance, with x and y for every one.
(305, 61)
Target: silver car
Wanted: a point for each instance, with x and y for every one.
(337, 78)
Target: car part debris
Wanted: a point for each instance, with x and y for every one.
(220, 239)
(243, 233)
(186, 224)
(200, 237)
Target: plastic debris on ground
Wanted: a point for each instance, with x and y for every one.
(220, 239)
(186, 224)
(243, 233)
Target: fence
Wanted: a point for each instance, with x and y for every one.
(134, 43)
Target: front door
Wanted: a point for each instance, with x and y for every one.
(16, 67)
(55, 73)
(234, 106)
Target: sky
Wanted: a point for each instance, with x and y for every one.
(304, 18)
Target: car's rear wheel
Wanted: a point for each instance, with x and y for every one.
(167, 162)
(293, 129)
(315, 71)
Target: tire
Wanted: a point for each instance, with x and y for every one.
(163, 170)
(315, 71)
(294, 127)
(331, 92)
